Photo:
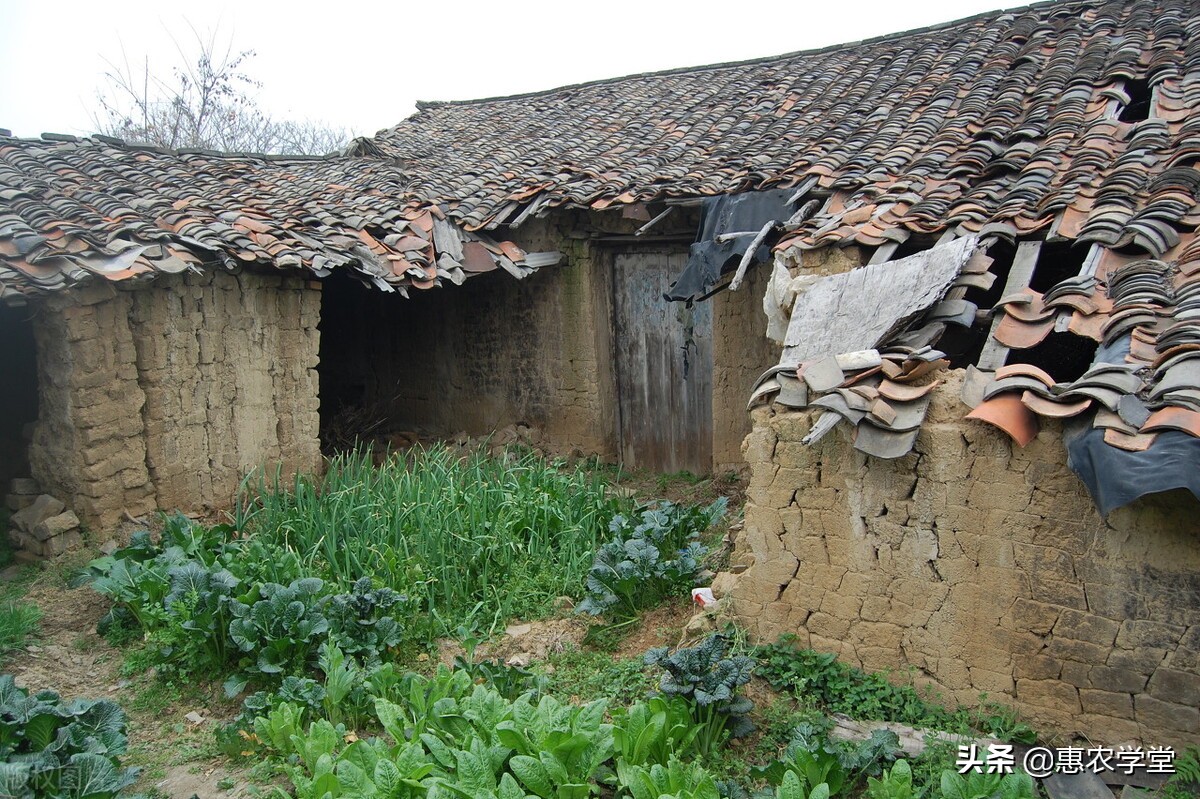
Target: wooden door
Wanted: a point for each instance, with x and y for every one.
(663, 367)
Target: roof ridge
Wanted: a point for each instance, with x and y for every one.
(426, 104)
(55, 139)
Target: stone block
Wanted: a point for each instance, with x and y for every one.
(1076, 674)
(56, 526)
(1081, 651)
(15, 502)
(63, 543)
(1058, 592)
(1038, 667)
(42, 508)
(24, 486)
(1049, 695)
(1106, 703)
(1107, 678)
(1159, 715)
(1175, 686)
(1035, 617)
(1137, 633)
(1144, 660)
(1087, 627)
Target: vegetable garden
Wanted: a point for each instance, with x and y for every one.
(321, 606)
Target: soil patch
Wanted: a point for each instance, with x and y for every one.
(177, 758)
(662, 626)
(526, 642)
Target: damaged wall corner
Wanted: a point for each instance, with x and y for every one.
(983, 566)
(740, 354)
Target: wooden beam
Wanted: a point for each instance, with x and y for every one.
(642, 230)
(884, 252)
(740, 274)
(994, 353)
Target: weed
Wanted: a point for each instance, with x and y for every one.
(1185, 782)
(155, 696)
(579, 673)
(838, 688)
(18, 622)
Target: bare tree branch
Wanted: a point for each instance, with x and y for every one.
(206, 101)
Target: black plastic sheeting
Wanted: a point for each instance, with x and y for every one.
(1116, 477)
(730, 213)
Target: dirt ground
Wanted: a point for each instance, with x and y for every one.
(177, 757)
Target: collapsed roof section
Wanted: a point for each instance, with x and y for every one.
(78, 209)
(1077, 118)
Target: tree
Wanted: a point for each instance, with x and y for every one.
(205, 101)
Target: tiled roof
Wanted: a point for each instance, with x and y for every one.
(999, 124)
(74, 209)
(1145, 314)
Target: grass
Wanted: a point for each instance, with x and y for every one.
(589, 675)
(476, 539)
(18, 619)
(18, 622)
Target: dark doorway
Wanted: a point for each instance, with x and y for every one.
(18, 391)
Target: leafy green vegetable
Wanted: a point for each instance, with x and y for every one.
(281, 629)
(705, 677)
(655, 730)
(672, 781)
(896, 783)
(55, 749)
(648, 557)
(981, 785)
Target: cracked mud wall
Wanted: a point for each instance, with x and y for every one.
(228, 367)
(164, 395)
(982, 566)
(88, 445)
(740, 355)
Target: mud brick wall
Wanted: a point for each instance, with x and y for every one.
(228, 366)
(741, 353)
(88, 446)
(475, 358)
(165, 395)
(983, 566)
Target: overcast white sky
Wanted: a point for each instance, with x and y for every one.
(363, 65)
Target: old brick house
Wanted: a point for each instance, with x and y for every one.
(1016, 192)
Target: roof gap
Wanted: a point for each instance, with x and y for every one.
(1056, 262)
(1138, 107)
